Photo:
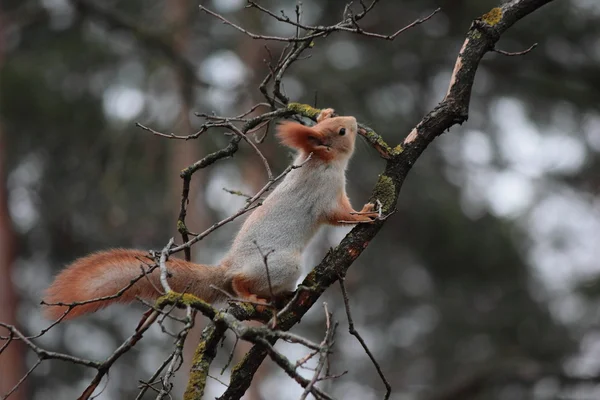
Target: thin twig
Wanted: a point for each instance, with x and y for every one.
(146, 385)
(33, 367)
(355, 333)
(237, 193)
(127, 345)
(516, 53)
(323, 352)
(256, 149)
(164, 273)
(265, 257)
(45, 354)
(230, 358)
(288, 367)
(177, 359)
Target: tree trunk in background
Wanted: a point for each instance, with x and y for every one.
(12, 360)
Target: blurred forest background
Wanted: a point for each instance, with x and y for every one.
(483, 285)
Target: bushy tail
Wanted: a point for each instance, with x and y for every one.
(106, 273)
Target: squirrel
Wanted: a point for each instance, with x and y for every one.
(307, 198)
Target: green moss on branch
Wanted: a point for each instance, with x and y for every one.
(304, 110)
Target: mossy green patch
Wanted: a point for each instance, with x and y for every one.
(475, 34)
(397, 150)
(374, 138)
(385, 192)
(492, 17)
(237, 367)
(198, 374)
(247, 307)
(186, 299)
(304, 109)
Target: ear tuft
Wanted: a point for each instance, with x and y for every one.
(298, 136)
(325, 113)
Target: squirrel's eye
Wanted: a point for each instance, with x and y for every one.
(342, 131)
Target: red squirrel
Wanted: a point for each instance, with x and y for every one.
(307, 198)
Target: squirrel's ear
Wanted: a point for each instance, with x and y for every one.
(298, 136)
(325, 113)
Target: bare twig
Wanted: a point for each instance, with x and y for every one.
(104, 367)
(516, 53)
(395, 34)
(349, 24)
(354, 332)
(144, 386)
(260, 154)
(324, 352)
(49, 355)
(265, 257)
(177, 359)
(33, 367)
(164, 273)
(230, 358)
(237, 193)
(289, 369)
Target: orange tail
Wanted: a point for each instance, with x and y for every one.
(108, 272)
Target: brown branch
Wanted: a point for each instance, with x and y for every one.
(348, 24)
(394, 35)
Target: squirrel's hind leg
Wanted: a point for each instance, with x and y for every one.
(242, 287)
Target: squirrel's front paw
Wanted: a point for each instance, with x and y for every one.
(369, 211)
(367, 214)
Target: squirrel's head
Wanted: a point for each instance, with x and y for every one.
(331, 139)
